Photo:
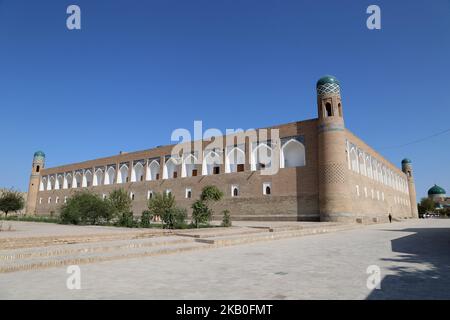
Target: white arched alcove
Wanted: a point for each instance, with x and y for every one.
(123, 174)
(211, 160)
(110, 176)
(68, 179)
(98, 178)
(51, 183)
(153, 171)
(261, 157)
(189, 165)
(59, 182)
(292, 154)
(369, 167)
(43, 184)
(170, 169)
(137, 172)
(233, 159)
(87, 179)
(362, 164)
(77, 180)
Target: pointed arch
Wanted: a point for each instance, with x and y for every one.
(51, 183)
(68, 179)
(362, 164)
(189, 166)
(87, 179)
(59, 182)
(211, 160)
(153, 171)
(43, 184)
(170, 169)
(137, 172)
(77, 180)
(292, 154)
(234, 160)
(98, 178)
(110, 176)
(123, 174)
(261, 157)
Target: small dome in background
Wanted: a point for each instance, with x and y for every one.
(436, 190)
(406, 160)
(39, 154)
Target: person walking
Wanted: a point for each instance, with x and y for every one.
(390, 218)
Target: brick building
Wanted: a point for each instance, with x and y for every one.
(306, 170)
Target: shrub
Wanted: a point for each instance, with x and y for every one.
(201, 214)
(127, 220)
(11, 201)
(226, 220)
(120, 204)
(145, 218)
(163, 205)
(211, 193)
(85, 208)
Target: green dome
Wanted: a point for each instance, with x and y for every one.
(328, 79)
(436, 190)
(406, 160)
(39, 154)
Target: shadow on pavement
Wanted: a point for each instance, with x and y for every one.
(429, 247)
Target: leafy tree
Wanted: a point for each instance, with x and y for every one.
(120, 203)
(201, 211)
(85, 208)
(163, 205)
(11, 201)
(426, 205)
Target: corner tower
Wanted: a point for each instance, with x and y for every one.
(408, 170)
(33, 187)
(334, 195)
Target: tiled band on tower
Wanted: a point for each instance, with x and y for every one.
(323, 172)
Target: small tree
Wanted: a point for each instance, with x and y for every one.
(120, 203)
(11, 201)
(426, 205)
(145, 218)
(163, 205)
(226, 220)
(201, 211)
(85, 208)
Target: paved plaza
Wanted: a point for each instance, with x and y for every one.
(413, 257)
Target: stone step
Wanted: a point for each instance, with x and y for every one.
(84, 248)
(243, 239)
(95, 257)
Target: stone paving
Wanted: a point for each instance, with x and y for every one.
(413, 257)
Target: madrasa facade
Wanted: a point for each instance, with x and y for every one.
(311, 170)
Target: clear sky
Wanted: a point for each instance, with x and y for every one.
(139, 69)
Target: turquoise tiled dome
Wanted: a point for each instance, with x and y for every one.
(327, 79)
(39, 154)
(328, 85)
(436, 190)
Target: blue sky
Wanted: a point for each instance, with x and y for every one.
(139, 69)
